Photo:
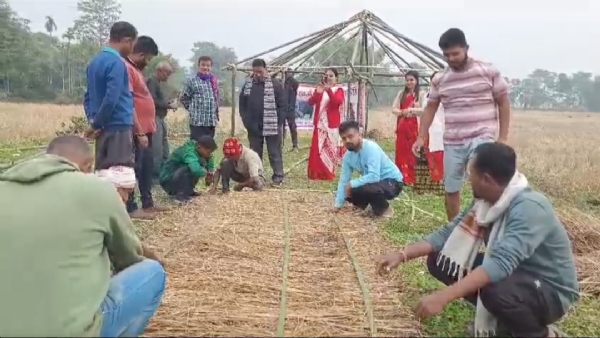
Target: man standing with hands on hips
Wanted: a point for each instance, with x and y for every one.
(476, 106)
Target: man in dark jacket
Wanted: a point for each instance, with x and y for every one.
(160, 142)
(291, 91)
(263, 107)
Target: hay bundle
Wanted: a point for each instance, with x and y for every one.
(588, 268)
(583, 230)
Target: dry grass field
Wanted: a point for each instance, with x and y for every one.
(558, 152)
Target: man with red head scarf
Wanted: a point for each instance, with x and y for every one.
(240, 164)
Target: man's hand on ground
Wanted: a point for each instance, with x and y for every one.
(388, 262)
(430, 305)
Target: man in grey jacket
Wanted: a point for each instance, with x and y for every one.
(160, 142)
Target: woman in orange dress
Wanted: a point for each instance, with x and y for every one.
(407, 126)
(326, 149)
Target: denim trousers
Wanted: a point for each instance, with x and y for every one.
(134, 295)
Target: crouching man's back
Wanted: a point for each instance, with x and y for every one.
(58, 225)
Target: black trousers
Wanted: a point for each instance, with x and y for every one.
(376, 195)
(114, 148)
(274, 151)
(144, 168)
(182, 183)
(523, 304)
(228, 173)
(290, 121)
(197, 131)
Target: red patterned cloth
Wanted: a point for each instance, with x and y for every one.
(232, 148)
(407, 129)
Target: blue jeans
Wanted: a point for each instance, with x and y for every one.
(133, 297)
(144, 166)
(456, 159)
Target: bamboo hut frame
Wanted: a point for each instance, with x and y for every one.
(365, 29)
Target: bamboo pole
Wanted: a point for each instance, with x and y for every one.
(302, 48)
(344, 23)
(233, 103)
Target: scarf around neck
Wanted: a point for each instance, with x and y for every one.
(466, 240)
(214, 83)
(270, 120)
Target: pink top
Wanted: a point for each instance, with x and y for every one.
(469, 101)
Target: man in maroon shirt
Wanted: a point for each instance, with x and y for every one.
(144, 50)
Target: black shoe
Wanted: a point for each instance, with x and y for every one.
(180, 200)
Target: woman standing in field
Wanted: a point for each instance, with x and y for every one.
(405, 107)
(326, 149)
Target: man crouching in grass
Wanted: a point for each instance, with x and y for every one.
(526, 279)
(186, 165)
(240, 164)
(62, 227)
(381, 179)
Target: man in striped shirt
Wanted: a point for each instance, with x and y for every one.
(477, 110)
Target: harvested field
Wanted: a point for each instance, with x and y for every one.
(229, 275)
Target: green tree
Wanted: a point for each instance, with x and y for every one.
(96, 18)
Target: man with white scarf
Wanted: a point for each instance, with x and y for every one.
(525, 280)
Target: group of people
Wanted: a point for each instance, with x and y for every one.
(74, 266)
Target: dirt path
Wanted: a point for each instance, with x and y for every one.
(227, 264)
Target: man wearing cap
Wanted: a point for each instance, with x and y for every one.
(240, 164)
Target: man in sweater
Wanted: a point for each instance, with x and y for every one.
(476, 110)
(263, 107)
(144, 51)
(240, 164)
(56, 261)
(186, 165)
(380, 178)
(200, 97)
(108, 102)
(160, 140)
(291, 90)
(525, 280)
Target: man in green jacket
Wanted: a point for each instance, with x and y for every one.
(525, 280)
(61, 230)
(186, 165)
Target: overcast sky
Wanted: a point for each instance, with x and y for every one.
(516, 35)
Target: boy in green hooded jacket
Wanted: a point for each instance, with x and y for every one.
(185, 166)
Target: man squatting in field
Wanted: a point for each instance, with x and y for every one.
(240, 164)
(506, 253)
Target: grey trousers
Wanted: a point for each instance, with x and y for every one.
(114, 148)
(160, 144)
(274, 151)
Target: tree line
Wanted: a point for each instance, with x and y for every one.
(45, 67)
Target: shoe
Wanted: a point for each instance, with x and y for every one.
(196, 194)
(294, 150)
(277, 184)
(141, 214)
(181, 200)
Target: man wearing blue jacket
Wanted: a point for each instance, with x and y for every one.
(381, 179)
(108, 100)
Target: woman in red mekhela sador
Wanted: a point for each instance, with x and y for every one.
(407, 106)
(326, 149)
(407, 126)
